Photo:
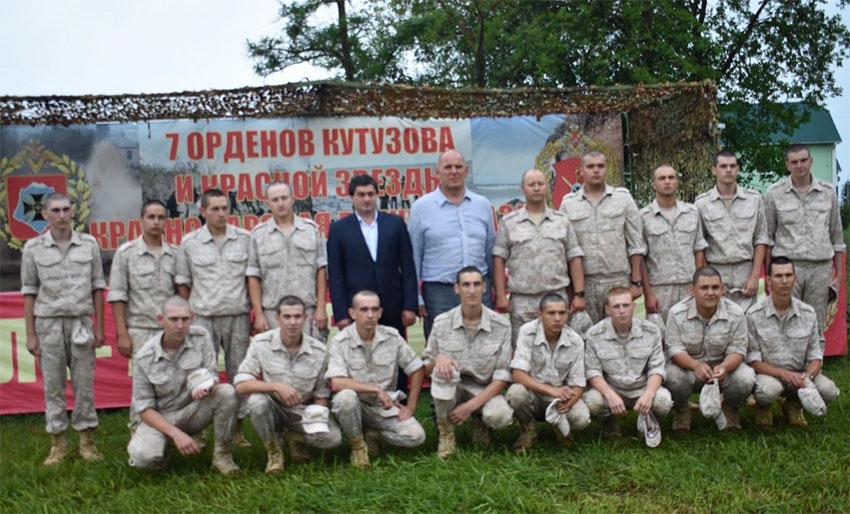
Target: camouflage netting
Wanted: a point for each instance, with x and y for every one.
(673, 123)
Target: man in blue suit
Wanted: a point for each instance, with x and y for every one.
(368, 250)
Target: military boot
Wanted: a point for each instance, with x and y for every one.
(359, 452)
(238, 438)
(527, 437)
(222, 460)
(682, 419)
(611, 428)
(733, 422)
(297, 446)
(480, 432)
(793, 410)
(764, 416)
(373, 440)
(274, 458)
(447, 445)
(58, 449)
(88, 451)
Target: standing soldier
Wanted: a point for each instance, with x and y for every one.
(735, 229)
(287, 257)
(675, 247)
(608, 225)
(142, 278)
(804, 223)
(62, 283)
(211, 265)
(539, 247)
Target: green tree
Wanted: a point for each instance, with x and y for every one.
(761, 52)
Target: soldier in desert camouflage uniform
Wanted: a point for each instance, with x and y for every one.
(608, 226)
(287, 257)
(539, 247)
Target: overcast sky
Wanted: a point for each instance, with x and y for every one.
(81, 47)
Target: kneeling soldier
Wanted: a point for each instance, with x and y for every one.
(284, 374)
(362, 369)
(548, 366)
(785, 349)
(177, 394)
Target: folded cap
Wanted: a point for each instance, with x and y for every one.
(442, 389)
(709, 399)
(649, 427)
(396, 397)
(315, 419)
(811, 399)
(201, 378)
(558, 420)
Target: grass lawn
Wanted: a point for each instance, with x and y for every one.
(704, 471)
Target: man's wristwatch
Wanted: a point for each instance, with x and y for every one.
(637, 283)
(580, 294)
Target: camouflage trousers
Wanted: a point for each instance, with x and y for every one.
(147, 446)
(596, 288)
(233, 335)
(669, 295)
(496, 413)
(598, 405)
(736, 386)
(66, 343)
(354, 416)
(813, 278)
(734, 278)
(270, 417)
(529, 406)
(768, 389)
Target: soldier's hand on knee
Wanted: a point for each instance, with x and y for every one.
(288, 395)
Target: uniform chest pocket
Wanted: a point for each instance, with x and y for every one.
(686, 224)
(270, 255)
(744, 210)
(191, 360)
(237, 260)
(638, 353)
(49, 265)
(451, 345)
(203, 259)
(657, 227)
(143, 275)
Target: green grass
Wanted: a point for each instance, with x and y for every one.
(785, 471)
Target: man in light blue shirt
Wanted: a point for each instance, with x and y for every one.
(450, 228)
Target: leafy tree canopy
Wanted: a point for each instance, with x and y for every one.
(757, 51)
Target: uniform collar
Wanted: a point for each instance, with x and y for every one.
(160, 353)
(540, 336)
(715, 194)
(720, 313)
(355, 340)
(75, 238)
(770, 308)
(788, 186)
(655, 209)
(276, 344)
(142, 247)
(205, 236)
(611, 333)
(522, 214)
(457, 318)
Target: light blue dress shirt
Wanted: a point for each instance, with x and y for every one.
(446, 237)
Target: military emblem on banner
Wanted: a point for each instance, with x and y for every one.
(560, 160)
(26, 180)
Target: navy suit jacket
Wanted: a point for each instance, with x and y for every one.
(351, 268)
